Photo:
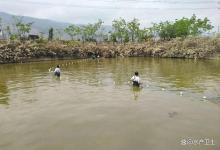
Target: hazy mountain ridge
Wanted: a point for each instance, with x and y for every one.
(40, 25)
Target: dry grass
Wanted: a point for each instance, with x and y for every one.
(193, 47)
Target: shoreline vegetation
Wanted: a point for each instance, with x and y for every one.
(192, 48)
(183, 38)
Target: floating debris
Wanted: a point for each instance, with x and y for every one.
(163, 89)
(172, 114)
(181, 93)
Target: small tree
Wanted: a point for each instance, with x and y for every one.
(1, 26)
(134, 29)
(113, 37)
(50, 37)
(2, 29)
(72, 31)
(22, 28)
(89, 31)
(101, 35)
(8, 31)
(182, 27)
(198, 26)
(58, 34)
(42, 35)
(145, 34)
(120, 29)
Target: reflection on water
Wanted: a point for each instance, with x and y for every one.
(195, 76)
(136, 91)
(3, 93)
(92, 105)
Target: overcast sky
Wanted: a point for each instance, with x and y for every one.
(88, 11)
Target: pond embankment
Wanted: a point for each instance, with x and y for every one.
(17, 52)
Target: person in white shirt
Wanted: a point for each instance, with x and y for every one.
(57, 71)
(136, 79)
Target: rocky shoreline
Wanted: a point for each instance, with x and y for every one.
(19, 52)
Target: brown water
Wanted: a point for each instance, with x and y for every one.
(93, 107)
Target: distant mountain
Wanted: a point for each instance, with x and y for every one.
(40, 25)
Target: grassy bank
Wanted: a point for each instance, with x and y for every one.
(197, 47)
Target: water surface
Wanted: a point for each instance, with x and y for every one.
(93, 107)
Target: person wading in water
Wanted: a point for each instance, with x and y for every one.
(57, 71)
(136, 79)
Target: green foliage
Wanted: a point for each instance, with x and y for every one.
(72, 43)
(14, 37)
(58, 34)
(165, 30)
(86, 32)
(134, 29)
(120, 29)
(129, 31)
(22, 28)
(144, 35)
(41, 41)
(113, 37)
(50, 37)
(72, 31)
(124, 32)
(89, 31)
(182, 28)
(8, 30)
(199, 26)
(1, 26)
(126, 38)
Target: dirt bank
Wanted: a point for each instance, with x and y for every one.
(15, 52)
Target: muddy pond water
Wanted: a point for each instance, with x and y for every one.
(92, 106)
